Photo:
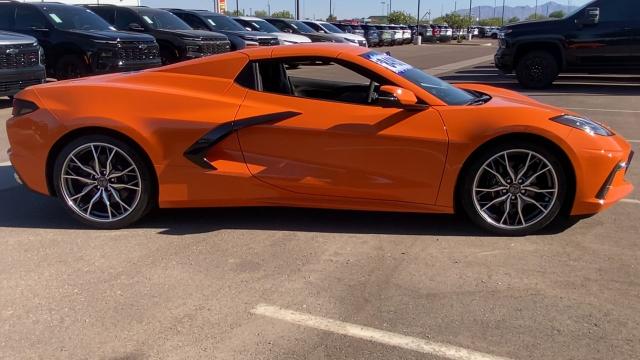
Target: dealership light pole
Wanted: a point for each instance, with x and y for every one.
(237, 8)
(297, 9)
(503, 1)
(470, 5)
(535, 15)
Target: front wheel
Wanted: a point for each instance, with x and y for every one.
(514, 189)
(537, 70)
(103, 181)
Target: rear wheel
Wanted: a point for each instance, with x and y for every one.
(537, 70)
(514, 189)
(103, 182)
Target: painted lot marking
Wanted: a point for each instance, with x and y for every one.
(631, 201)
(607, 110)
(371, 334)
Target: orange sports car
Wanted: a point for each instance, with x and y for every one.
(259, 127)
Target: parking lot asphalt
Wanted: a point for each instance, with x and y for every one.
(222, 283)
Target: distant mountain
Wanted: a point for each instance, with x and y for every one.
(522, 12)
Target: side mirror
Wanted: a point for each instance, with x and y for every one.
(591, 16)
(248, 28)
(135, 27)
(399, 98)
(288, 31)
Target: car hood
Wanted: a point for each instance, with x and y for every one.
(9, 38)
(204, 35)
(504, 99)
(111, 35)
(291, 37)
(537, 26)
(350, 36)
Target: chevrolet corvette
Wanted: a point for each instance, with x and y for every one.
(248, 129)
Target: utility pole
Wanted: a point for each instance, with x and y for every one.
(470, 5)
(495, 2)
(269, 8)
(237, 8)
(455, 6)
(535, 14)
(330, 9)
(503, 1)
(390, 6)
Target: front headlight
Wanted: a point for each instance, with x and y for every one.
(587, 125)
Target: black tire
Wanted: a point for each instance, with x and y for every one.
(466, 193)
(71, 67)
(145, 201)
(537, 70)
(168, 56)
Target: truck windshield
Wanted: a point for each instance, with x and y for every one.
(218, 22)
(261, 25)
(75, 18)
(444, 91)
(302, 27)
(331, 28)
(163, 20)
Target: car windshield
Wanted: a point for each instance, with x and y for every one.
(444, 91)
(75, 18)
(164, 20)
(302, 27)
(262, 25)
(218, 22)
(331, 28)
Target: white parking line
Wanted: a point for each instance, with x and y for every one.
(7, 163)
(631, 201)
(607, 110)
(370, 334)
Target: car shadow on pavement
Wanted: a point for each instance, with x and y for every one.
(585, 85)
(21, 208)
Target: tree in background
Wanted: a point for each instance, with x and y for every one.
(557, 14)
(439, 20)
(513, 20)
(332, 18)
(401, 18)
(284, 14)
(490, 22)
(261, 13)
(535, 17)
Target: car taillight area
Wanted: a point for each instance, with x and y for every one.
(23, 107)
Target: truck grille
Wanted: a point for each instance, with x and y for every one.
(138, 51)
(217, 47)
(18, 85)
(268, 42)
(19, 56)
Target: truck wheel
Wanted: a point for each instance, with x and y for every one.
(537, 70)
(70, 67)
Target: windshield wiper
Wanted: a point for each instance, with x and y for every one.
(480, 100)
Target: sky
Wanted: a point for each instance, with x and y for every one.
(346, 9)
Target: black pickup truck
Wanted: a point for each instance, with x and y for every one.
(77, 42)
(601, 37)
(20, 63)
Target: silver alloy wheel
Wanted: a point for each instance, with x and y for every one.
(515, 189)
(100, 182)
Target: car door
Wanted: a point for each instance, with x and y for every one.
(607, 44)
(30, 21)
(320, 140)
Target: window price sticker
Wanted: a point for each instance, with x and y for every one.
(388, 62)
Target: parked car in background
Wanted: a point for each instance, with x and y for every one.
(600, 37)
(177, 40)
(261, 25)
(446, 33)
(373, 35)
(77, 42)
(398, 37)
(388, 35)
(299, 28)
(350, 28)
(429, 33)
(238, 36)
(406, 34)
(327, 28)
(21, 62)
(492, 32)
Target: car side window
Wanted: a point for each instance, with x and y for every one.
(28, 18)
(617, 11)
(313, 78)
(280, 25)
(314, 26)
(126, 17)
